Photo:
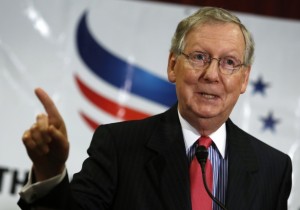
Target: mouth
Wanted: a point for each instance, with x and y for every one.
(208, 96)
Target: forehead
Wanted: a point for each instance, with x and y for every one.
(216, 36)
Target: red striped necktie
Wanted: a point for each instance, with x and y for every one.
(199, 197)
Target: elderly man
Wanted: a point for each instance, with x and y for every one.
(149, 164)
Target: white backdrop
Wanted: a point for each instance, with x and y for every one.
(38, 48)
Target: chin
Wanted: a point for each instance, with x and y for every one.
(206, 113)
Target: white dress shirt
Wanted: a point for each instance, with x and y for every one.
(190, 135)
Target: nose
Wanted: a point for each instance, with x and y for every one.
(211, 72)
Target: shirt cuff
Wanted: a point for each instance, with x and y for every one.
(33, 191)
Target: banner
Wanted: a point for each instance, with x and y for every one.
(104, 61)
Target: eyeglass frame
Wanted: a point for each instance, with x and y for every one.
(207, 63)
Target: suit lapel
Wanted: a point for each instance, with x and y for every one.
(168, 168)
(242, 185)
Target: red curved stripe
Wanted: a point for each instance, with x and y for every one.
(109, 106)
(92, 123)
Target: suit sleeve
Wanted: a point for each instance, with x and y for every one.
(286, 186)
(93, 187)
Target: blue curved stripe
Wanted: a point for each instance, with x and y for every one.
(119, 73)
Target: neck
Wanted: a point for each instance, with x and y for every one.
(205, 126)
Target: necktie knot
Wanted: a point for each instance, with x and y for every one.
(205, 141)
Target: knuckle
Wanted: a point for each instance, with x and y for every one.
(26, 135)
(40, 116)
(34, 127)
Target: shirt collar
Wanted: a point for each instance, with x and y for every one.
(190, 135)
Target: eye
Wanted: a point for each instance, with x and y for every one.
(230, 62)
(198, 56)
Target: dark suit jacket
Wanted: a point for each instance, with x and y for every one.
(142, 165)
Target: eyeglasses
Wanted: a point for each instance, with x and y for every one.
(200, 60)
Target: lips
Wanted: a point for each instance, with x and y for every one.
(208, 95)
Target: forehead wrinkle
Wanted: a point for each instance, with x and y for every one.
(212, 37)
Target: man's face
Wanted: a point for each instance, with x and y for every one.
(207, 93)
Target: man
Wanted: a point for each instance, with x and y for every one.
(144, 164)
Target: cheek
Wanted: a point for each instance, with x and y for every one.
(237, 81)
(233, 87)
(187, 79)
(182, 74)
(185, 83)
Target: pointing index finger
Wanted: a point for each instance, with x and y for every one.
(48, 105)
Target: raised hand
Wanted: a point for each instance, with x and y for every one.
(46, 141)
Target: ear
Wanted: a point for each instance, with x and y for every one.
(171, 67)
(246, 75)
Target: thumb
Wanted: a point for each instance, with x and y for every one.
(59, 141)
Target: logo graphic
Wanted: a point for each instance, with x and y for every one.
(119, 74)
